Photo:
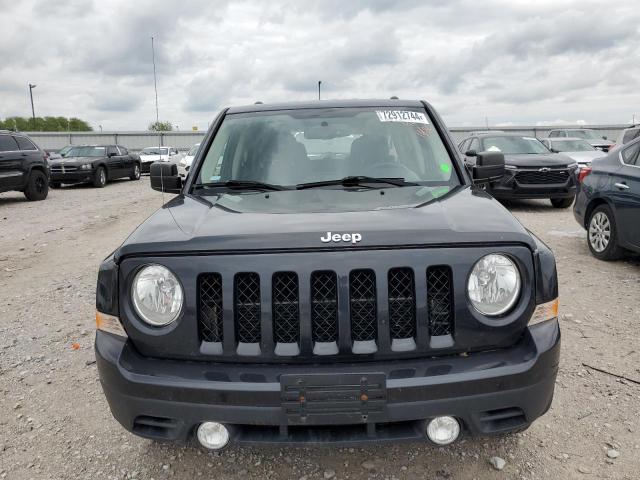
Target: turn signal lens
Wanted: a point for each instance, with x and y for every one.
(110, 324)
(545, 311)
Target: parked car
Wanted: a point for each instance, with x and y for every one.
(149, 155)
(532, 171)
(577, 149)
(62, 152)
(23, 166)
(375, 296)
(627, 134)
(608, 202)
(186, 161)
(593, 137)
(96, 164)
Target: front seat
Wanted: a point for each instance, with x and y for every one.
(368, 150)
(288, 160)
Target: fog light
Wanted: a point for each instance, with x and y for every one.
(443, 430)
(213, 435)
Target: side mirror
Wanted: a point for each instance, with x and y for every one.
(165, 178)
(489, 166)
(471, 153)
(554, 150)
(111, 154)
(604, 137)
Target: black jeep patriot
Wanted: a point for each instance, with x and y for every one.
(328, 272)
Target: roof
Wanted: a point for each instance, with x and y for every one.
(265, 107)
(562, 139)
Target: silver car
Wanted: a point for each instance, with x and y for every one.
(577, 149)
(594, 138)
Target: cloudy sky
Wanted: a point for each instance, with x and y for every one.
(512, 62)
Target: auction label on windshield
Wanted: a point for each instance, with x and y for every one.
(405, 116)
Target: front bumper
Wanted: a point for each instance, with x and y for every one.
(508, 187)
(79, 176)
(488, 392)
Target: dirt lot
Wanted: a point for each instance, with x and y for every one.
(55, 423)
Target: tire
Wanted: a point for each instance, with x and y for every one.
(37, 186)
(602, 234)
(562, 202)
(100, 178)
(55, 184)
(136, 173)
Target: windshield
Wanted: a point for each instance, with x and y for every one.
(294, 147)
(588, 134)
(86, 152)
(571, 146)
(513, 145)
(153, 151)
(194, 150)
(65, 150)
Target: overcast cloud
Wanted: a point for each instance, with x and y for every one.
(513, 62)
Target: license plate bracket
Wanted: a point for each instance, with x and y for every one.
(333, 399)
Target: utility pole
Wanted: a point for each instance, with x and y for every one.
(33, 112)
(155, 81)
(319, 83)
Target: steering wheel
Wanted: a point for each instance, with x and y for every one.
(393, 170)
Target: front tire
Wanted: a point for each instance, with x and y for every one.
(136, 173)
(562, 202)
(37, 186)
(602, 234)
(100, 178)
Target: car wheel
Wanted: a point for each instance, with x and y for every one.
(37, 186)
(562, 202)
(602, 234)
(55, 184)
(136, 172)
(100, 178)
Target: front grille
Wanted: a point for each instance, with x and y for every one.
(536, 177)
(247, 307)
(362, 302)
(63, 168)
(402, 303)
(210, 312)
(324, 306)
(326, 314)
(286, 314)
(440, 300)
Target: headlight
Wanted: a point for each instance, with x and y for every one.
(510, 167)
(573, 165)
(157, 295)
(86, 166)
(494, 285)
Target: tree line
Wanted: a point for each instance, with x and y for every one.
(45, 124)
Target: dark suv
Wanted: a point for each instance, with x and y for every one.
(23, 166)
(532, 170)
(367, 291)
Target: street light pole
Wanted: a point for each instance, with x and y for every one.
(319, 83)
(33, 112)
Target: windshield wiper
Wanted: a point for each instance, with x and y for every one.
(241, 185)
(357, 181)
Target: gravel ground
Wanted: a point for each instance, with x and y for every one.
(55, 423)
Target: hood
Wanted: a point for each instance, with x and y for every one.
(584, 156)
(74, 160)
(538, 160)
(189, 224)
(153, 157)
(599, 142)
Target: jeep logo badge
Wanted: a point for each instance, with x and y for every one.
(341, 237)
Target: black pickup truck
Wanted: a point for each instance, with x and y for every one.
(23, 166)
(370, 291)
(95, 164)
